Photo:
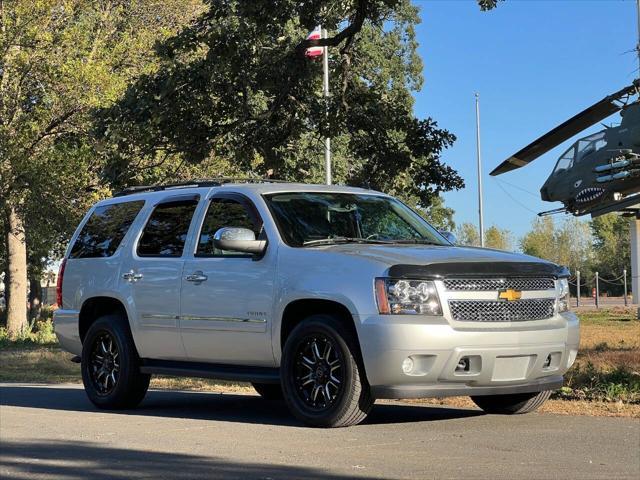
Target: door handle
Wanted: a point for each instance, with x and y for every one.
(196, 277)
(132, 276)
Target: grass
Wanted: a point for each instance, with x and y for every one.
(608, 363)
(605, 380)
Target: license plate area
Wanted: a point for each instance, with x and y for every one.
(511, 368)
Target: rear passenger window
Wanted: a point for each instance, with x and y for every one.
(105, 229)
(166, 231)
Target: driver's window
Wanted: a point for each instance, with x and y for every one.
(224, 212)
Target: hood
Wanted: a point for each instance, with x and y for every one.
(432, 261)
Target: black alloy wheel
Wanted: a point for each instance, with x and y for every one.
(104, 369)
(319, 378)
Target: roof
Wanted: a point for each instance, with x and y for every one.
(255, 186)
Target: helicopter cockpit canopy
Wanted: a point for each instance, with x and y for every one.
(579, 150)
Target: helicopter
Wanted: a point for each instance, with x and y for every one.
(599, 173)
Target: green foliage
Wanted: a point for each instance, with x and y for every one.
(439, 215)
(39, 333)
(612, 246)
(590, 383)
(236, 87)
(62, 59)
(568, 244)
(467, 234)
(498, 238)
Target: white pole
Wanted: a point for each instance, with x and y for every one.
(635, 261)
(638, 46)
(480, 213)
(325, 88)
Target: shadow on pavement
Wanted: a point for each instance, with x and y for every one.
(66, 460)
(211, 406)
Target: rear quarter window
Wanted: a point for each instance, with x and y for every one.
(102, 234)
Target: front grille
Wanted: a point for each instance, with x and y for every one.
(489, 284)
(501, 311)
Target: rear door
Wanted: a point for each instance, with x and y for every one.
(227, 297)
(154, 277)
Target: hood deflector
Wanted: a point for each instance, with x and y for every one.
(478, 269)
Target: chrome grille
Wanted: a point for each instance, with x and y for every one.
(501, 311)
(489, 284)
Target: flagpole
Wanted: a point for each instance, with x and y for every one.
(325, 89)
(480, 212)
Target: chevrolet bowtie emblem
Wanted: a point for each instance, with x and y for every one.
(510, 295)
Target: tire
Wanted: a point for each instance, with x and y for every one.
(309, 374)
(108, 347)
(269, 391)
(512, 404)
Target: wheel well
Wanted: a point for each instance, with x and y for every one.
(298, 310)
(94, 308)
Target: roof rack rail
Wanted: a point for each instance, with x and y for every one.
(205, 182)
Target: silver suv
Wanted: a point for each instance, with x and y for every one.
(328, 297)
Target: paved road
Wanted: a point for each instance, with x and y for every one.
(49, 432)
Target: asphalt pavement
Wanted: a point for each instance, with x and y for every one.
(53, 432)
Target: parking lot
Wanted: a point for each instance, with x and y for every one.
(53, 432)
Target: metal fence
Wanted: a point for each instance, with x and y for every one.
(582, 285)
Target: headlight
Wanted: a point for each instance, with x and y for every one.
(410, 297)
(563, 295)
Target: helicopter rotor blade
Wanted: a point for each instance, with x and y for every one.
(590, 116)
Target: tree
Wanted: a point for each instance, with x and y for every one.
(439, 215)
(498, 238)
(467, 234)
(612, 249)
(568, 245)
(237, 86)
(60, 60)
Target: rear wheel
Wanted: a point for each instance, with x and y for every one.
(268, 391)
(512, 404)
(110, 365)
(322, 379)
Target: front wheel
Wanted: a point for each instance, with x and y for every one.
(514, 404)
(322, 379)
(110, 365)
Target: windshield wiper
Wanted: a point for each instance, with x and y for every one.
(419, 241)
(338, 240)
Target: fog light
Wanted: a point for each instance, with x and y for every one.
(463, 365)
(547, 362)
(407, 365)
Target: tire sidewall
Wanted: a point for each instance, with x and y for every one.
(331, 327)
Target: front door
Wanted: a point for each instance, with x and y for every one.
(155, 277)
(227, 297)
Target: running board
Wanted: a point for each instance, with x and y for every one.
(238, 373)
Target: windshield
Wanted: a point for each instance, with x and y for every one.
(308, 218)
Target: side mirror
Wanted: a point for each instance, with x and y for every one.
(449, 236)
(238, 240)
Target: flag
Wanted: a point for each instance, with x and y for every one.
(313, 52)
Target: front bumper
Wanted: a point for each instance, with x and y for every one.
(527, 357)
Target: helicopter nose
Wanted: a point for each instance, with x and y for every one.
(544, 194)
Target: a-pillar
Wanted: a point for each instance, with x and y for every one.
(635, 259)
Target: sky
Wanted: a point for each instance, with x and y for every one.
(535, 64)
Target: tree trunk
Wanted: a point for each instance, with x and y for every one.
(17, 270)
(35, 298)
